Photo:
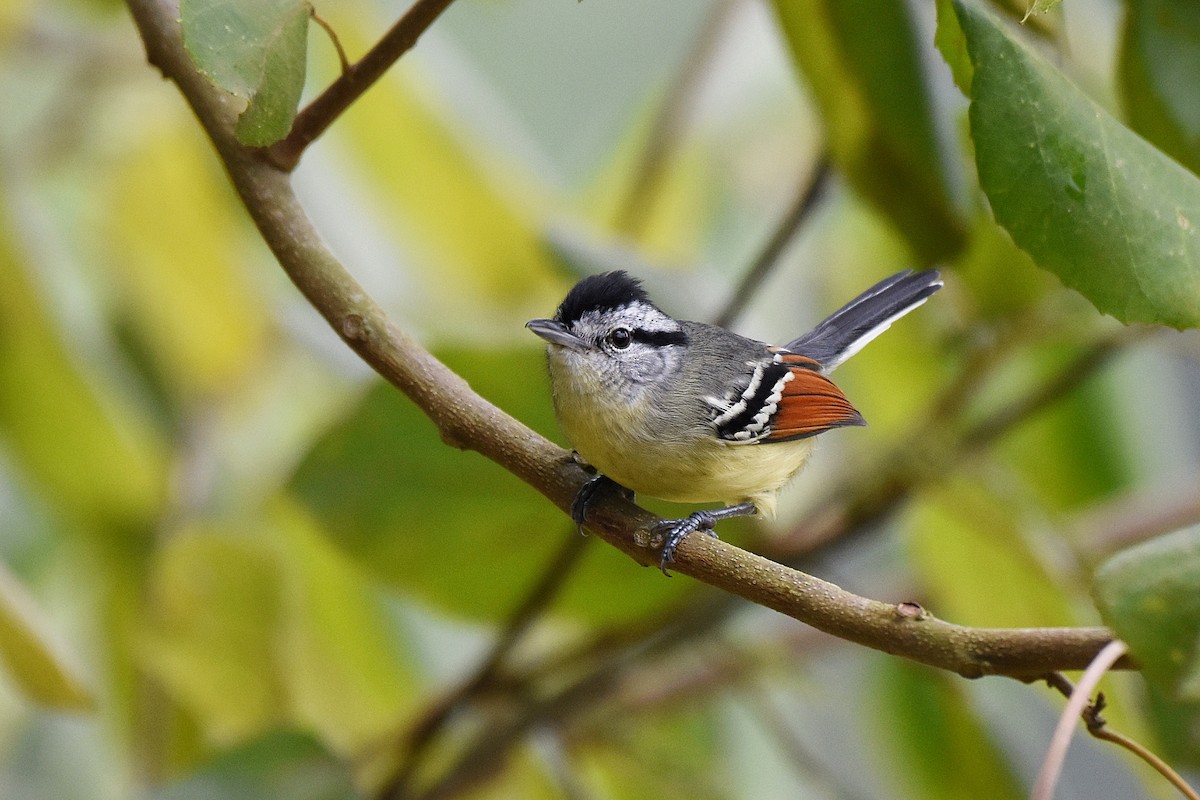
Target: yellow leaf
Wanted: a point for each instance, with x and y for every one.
(345, 672)
(177, 238)
(477, 246)
(210, 639)
(92, 453)
(29, 654)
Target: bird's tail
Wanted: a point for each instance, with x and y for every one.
(847, 330)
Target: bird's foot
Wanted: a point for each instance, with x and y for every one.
(587, 495)
(675, 531)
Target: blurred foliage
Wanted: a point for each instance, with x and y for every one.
(862, 63)
(237, 565)
(1159, 46)
(929, 724)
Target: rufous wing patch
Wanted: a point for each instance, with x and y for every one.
(811, 404)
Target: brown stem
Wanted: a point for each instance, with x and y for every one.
(552, 579)
(355, 79)
(333, 37)
(810, 191)
(647, 175)
(1098, 727)
(1145, 754)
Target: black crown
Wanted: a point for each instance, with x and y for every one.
(604, 292)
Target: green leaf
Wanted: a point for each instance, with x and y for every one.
(927, 725)
(188, 298)
(1148, 595)
(87, 448)
(1092, 202)
(861, 60)
(1071, 454)
(676, 753)
(211, 636)
(30, 657)
(450, 526)
(1159, 53)
(347, 673)
(952, 44)
(1000, 278)
(975, 566)
(255, 50)
(265, 622)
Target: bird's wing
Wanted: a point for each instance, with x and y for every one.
(782, 397)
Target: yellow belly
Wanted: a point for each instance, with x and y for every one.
(693, 467)
(727, 473)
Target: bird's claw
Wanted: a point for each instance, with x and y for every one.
(675, 531)
(587, 495)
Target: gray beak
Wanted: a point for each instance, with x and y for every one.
(555, 333)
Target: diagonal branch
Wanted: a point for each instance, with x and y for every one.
(435, 718)
(808, 194)
(355, 79)
(468, 421)
(669, 121)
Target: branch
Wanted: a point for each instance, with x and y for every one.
(432, 722)
(1137, 516)
(648, 174)
(1080, 369)
(466, 420)
(1098, 727)
(934, 449)
(1047, 777)
(354, 81)
(809, 193)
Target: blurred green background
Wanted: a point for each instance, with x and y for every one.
(233, 563)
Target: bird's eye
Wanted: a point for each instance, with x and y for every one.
(620, 339)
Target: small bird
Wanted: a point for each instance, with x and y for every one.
(694, 413)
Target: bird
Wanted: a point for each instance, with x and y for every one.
(694, 413)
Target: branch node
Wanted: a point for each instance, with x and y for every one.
(910, 610)
(354, 328)
(451, 438)
(976, 669)
(1091, 715)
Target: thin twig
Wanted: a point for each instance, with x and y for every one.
(934, 451)
(1098, 727)
(1142, 752)
(1080, 369)
(333, 37)
(809, 192)
(492, 745)
(1137, 516)
(537, 600)
(672, 112)
(1047, 777)
(355, 79)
